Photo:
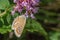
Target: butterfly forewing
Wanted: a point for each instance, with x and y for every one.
(18, 25)
(18, 31)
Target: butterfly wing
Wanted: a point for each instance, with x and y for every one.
(18, 25)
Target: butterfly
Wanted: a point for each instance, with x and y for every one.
(18, 25)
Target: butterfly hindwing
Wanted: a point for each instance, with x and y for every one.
(18, 25)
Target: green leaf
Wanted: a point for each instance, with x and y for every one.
(55, 36)
(2, 14)
(8, 18)
(5, 29)
(33, 25)
(1, 24)
(2, 20)
(2, 31)
(4, 4)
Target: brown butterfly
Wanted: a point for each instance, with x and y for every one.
(18, 25)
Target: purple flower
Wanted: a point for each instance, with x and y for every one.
(13, 12)
(35, 10)
(28, 5)
(32, 16)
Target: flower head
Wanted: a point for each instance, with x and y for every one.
(28, 5)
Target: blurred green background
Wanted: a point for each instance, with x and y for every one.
(46, 26)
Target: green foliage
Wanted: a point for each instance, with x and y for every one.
(5, 29)
(34, 26)
(5, 25)
(55, 36)
(4, 4)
